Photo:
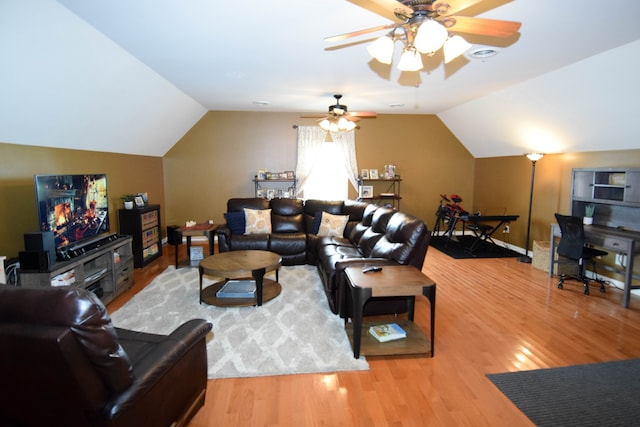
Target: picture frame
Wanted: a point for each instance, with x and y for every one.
(262, 174)
(139, 201)
(366, 191)
(290, 175)
(373, 173)
(364, 174)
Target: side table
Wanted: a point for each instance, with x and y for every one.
(391, 281)
(204, 229)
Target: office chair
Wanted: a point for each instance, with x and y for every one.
(572, 246)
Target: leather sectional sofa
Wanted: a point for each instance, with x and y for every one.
(372, 235)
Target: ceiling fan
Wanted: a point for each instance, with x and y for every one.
(339, 118)
(424, 26)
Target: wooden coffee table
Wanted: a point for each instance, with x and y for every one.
(237, 265)
(391, 281)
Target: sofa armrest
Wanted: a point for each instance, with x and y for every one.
(223, 231)
(170, 368)
(361, 262)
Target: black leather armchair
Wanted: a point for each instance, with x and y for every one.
(64, 363)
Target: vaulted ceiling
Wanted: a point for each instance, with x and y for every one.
(133, 76)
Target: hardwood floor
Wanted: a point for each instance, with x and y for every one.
(492, 315)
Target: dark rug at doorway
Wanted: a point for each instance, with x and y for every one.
(458, 248)
(598, 394)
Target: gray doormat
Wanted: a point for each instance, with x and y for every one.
(599, 394)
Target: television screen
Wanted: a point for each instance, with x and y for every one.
(74, 207)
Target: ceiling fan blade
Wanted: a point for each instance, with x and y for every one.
(363, 114)
(314, 116)
(358, 33)
(486, 27)
(455, 6)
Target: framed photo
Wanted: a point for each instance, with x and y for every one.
(290, 175)
(262, 174)
(366, 191)
(373, 173)
(139, 201)
(364, 173)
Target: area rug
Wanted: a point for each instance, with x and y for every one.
(600, 394)
(294, 333)
(458, 248)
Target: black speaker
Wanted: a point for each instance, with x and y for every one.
(41, 241)
(34, 260)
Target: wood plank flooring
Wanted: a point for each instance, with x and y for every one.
(492, 315)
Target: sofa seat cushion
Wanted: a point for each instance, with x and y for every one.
(288, 243)
(240, 242)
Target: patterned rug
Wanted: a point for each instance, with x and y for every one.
(292, 334)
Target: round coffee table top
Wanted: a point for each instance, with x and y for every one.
(239, 263)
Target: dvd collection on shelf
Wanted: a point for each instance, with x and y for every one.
(387, 332)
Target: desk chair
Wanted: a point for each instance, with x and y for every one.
(572, 246)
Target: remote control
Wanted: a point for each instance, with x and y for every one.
(371, 269)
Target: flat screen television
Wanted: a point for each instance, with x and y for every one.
(74, 207)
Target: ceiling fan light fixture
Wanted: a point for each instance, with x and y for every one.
(454, 47)
(382, 49)
(430, 36)
(410, 60)
(325, 124)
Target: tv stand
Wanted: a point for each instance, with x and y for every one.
(104, 266)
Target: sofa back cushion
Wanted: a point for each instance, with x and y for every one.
(239, 204)
(370, 237)
(287, 216)
(359, 228)
(313, 212)
(405, 240)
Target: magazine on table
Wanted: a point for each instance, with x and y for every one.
(237, 289)
(387, 332)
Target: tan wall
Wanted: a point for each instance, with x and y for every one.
(505, 181)
(219, 156)
(18, 165)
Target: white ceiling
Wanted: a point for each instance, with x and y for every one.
(133, 76)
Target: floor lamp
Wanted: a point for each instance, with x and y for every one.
(534, 157)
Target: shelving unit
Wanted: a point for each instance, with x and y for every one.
(385, 190)
(272, 188)
(143, 224)
(106, 270)
(615, 193)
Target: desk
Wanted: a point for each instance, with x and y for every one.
(204, 229)
(391, 281)
(610, 238)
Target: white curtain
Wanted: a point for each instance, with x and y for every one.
(310, 140)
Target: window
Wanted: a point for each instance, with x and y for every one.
(324, 169)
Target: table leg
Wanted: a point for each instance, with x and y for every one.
(209, 236)
(359, 297)
(189, 248)
(430, 293)
(259, 276)
(201, 273)
(628, 276)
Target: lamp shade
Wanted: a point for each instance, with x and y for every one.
(454, 47)
(382, 49)
(430, 36)
(534, 157)
(410, 60)
(325, 124)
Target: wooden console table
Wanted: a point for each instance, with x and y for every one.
(391, 281)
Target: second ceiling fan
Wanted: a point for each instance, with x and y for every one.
(338, 118)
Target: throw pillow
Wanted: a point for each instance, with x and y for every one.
(316, 222)
(332, 225)
(235, 221)
(257, 221)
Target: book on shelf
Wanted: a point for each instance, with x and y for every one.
(237, 289)
(387, 332)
